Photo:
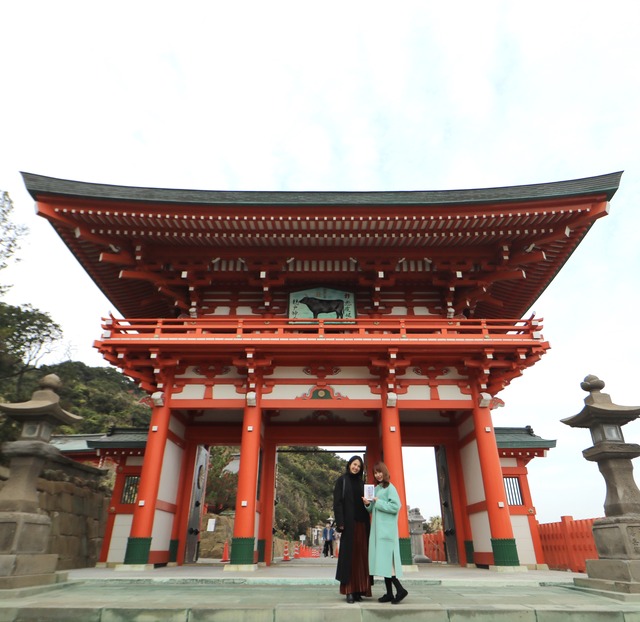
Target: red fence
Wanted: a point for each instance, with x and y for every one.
(565, 545)
(568, 544)
(434, 546)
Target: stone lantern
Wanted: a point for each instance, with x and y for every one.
(24, 528)
(617, 536)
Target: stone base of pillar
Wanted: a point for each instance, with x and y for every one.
(24, 533)
(240, 567)
(618, 537)
(508, 568)
(28, 570)
(133, 567)
(616, 578)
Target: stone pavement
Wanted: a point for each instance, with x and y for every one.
(304, 590)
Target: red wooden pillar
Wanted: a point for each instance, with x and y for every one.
(139, 542)
(267, 493)
(392, 456)
(503, 543)
(244, 526)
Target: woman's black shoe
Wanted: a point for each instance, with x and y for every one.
(357, 598)
(401, 595)
(385, 599)
(350, 599)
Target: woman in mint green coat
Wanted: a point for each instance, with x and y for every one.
(384, 543)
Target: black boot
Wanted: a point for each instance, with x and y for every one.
(401, 593)
(388, 597)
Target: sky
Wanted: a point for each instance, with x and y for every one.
(352, 96)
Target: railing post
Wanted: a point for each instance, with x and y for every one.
(569, 542)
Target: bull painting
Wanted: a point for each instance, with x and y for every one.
(320, 305)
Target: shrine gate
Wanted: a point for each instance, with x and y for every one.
(378, 319)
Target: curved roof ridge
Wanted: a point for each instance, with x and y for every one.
(607, 185)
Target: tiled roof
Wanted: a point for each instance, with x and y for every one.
(602, 184)
(521, 438)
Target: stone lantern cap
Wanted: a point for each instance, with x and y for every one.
(599, 409)
(44, 405)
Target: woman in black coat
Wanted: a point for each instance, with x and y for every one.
(353, 523)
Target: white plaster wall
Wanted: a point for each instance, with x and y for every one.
(466, 427)
(356, 391)
(472, 473)
(508, 462)
(399, 311)
(226, 392)
(353, 372)
(415, 392)
(291, 372)
(481, 532)
(161, 534)
(524, 542)
(119, 538)
(168, 489)
(189, 392)
(452, 392)
(134, 460)
(286, 392)
(177, 427)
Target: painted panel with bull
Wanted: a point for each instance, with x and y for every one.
(322, 303)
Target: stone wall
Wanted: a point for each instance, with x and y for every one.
(76, 498)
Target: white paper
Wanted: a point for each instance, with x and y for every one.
(368, 491)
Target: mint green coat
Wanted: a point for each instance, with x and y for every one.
(384, 543)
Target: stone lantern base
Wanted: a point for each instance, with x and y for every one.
(24, 562)
(616, 578)
(617, 572)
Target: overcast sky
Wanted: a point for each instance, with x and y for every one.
(412, 95)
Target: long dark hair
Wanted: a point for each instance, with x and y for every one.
(381, 467)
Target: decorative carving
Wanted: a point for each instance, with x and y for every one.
(321, 371)
(322, 393)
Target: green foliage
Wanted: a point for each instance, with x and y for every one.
(26, 335)
(222, 486)
(101, 395)
(304, 486)
(10, 234)
(433, 525)
(305, 489)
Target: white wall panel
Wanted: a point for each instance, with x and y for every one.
(119, 538)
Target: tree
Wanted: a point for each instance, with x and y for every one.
(222, 485)
(26, 335)
(433, 525)
(10, 234)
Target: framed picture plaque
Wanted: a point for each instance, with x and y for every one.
(321, 303)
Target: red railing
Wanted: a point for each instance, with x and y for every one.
(405, 329)
(434, 546)
(568, 544)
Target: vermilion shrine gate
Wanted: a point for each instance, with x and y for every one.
(381, 319)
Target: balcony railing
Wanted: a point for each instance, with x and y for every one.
(279, 329)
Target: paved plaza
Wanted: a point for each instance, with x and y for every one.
(304, 590)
